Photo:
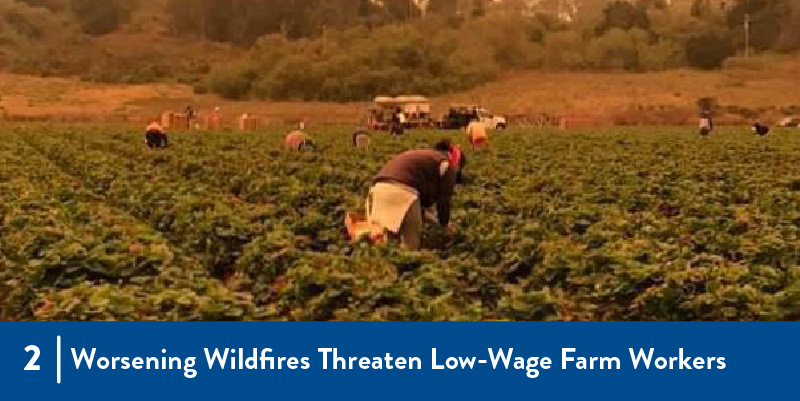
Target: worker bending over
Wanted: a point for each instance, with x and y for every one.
(760, 129)
(413, 181)
(477, 135)
(155, 137)
(298, 140)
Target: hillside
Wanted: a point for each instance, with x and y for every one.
(605, 62)
(765, 87)
(343, 50)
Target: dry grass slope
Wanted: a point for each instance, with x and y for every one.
(766, 85)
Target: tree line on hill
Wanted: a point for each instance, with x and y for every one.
(448, 48)
(353, 49)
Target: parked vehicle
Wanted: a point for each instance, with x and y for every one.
(790, 122)
(416, 110)
(460, 116)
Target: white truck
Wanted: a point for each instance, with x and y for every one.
(460, 116)
(492, 121)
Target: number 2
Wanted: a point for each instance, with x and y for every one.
(32, 363)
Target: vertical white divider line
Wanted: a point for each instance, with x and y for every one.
(58, 359)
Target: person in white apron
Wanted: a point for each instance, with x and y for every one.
(760, 129)
(408, 184)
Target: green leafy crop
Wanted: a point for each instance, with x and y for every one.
(628, 224)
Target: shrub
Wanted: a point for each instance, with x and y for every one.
(708, 51)
(99, 17)
(564, 50)
(233, 82)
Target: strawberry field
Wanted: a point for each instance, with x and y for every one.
(629, 224)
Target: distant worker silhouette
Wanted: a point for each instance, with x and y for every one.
(398, 124)
(706, 123)
(298, 141)
(760, 129)
(155, 137)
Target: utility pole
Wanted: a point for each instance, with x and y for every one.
(747, 35)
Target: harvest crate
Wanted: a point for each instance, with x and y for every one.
(358, 228)
(172, 120)
(249, 123)
(212, 122)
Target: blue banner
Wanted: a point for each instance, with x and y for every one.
(398, 360)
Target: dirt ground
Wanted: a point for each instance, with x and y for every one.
(597, 98)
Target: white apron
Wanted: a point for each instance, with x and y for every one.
(388, 203)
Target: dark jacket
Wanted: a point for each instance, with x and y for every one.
(760, 129)
(420, 169)
(156, 139)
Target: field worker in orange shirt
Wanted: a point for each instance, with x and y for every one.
(298, 140)
(477, 135)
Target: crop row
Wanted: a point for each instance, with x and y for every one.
(623, 225)
(64, 251)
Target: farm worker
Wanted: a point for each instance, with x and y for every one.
(298, 140)
(398, 122)
(706, 123)
(216, 119)
(760, 129)
(410, 182)
(190, 115)
(155, 138)
(361, 138)
(477, 135)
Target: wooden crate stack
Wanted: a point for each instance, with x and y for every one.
(249, 123)
(172, 120)
(212, 122)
